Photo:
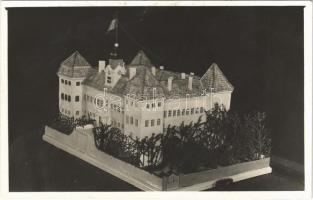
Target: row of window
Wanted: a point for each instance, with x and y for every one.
(117, 124)
(66, 82)
(131, 120)
(148, 105)
(183, 112)
(152, 122)
(67, 97)
(68, 112)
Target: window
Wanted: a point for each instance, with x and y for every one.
(69, 82)
(158, 122)
(183, 112)
(122, 125)
(65, 97)
(77, 112)
(153, 105)
(118, 109)
(201, 110)
(165, 113)
(159, 104)
(174, 113)
(152, 122)
(169, 113)
(114, 107)
(62, 81)
(77, 83)
(77, 98)
(136, 122)
(132, 103)
(187, 111)
(65, 82)
(126, 101)
(119, 124)
(127, 119)
(91, 99)
(62, 110)
(85, 97)
(178, 112)
(131, 120)
(62, 96)
(109, 80)
(88, 98)
(192, 111)
(146, 123)
(148, 105)
(197, 110)
(111, 106)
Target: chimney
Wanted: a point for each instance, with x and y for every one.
(153, 70)
(161, 67)
(101, 67)
(190, 81)
(169, 83)
(183, 75)
(132, 72)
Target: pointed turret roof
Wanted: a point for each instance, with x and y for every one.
(141, 59)
(74, 66)
(75, 60)
(214, 78)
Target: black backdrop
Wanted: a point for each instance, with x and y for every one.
(259, 49)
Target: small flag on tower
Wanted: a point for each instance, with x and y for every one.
(113, 25)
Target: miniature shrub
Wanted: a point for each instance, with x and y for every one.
(224, 138)
(66, 124)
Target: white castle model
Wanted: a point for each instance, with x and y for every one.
(138, 98)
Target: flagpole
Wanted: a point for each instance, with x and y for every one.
(116, 28)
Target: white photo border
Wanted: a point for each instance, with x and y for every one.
(4, 148)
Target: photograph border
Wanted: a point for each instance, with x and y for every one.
(4, 148)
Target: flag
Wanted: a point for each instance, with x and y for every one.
(113, 25)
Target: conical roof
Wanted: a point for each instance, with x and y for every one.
(216, 80)
(141, 59)
(75, 60)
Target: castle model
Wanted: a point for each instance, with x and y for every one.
(138, 98)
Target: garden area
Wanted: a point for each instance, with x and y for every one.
(224, 138)
(66, 124)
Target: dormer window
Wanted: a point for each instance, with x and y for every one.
(109, 79)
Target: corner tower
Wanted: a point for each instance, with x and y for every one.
(72, 72)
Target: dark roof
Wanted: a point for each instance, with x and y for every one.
(74, 66)
(75, 60)
(141, 59)
(95, 79)
(144, 85)
(214, 78)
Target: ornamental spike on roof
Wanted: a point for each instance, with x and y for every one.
(214, 80)
(141, 59)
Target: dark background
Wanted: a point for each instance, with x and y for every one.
(259, 49)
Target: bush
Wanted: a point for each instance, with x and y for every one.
(224, 138)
